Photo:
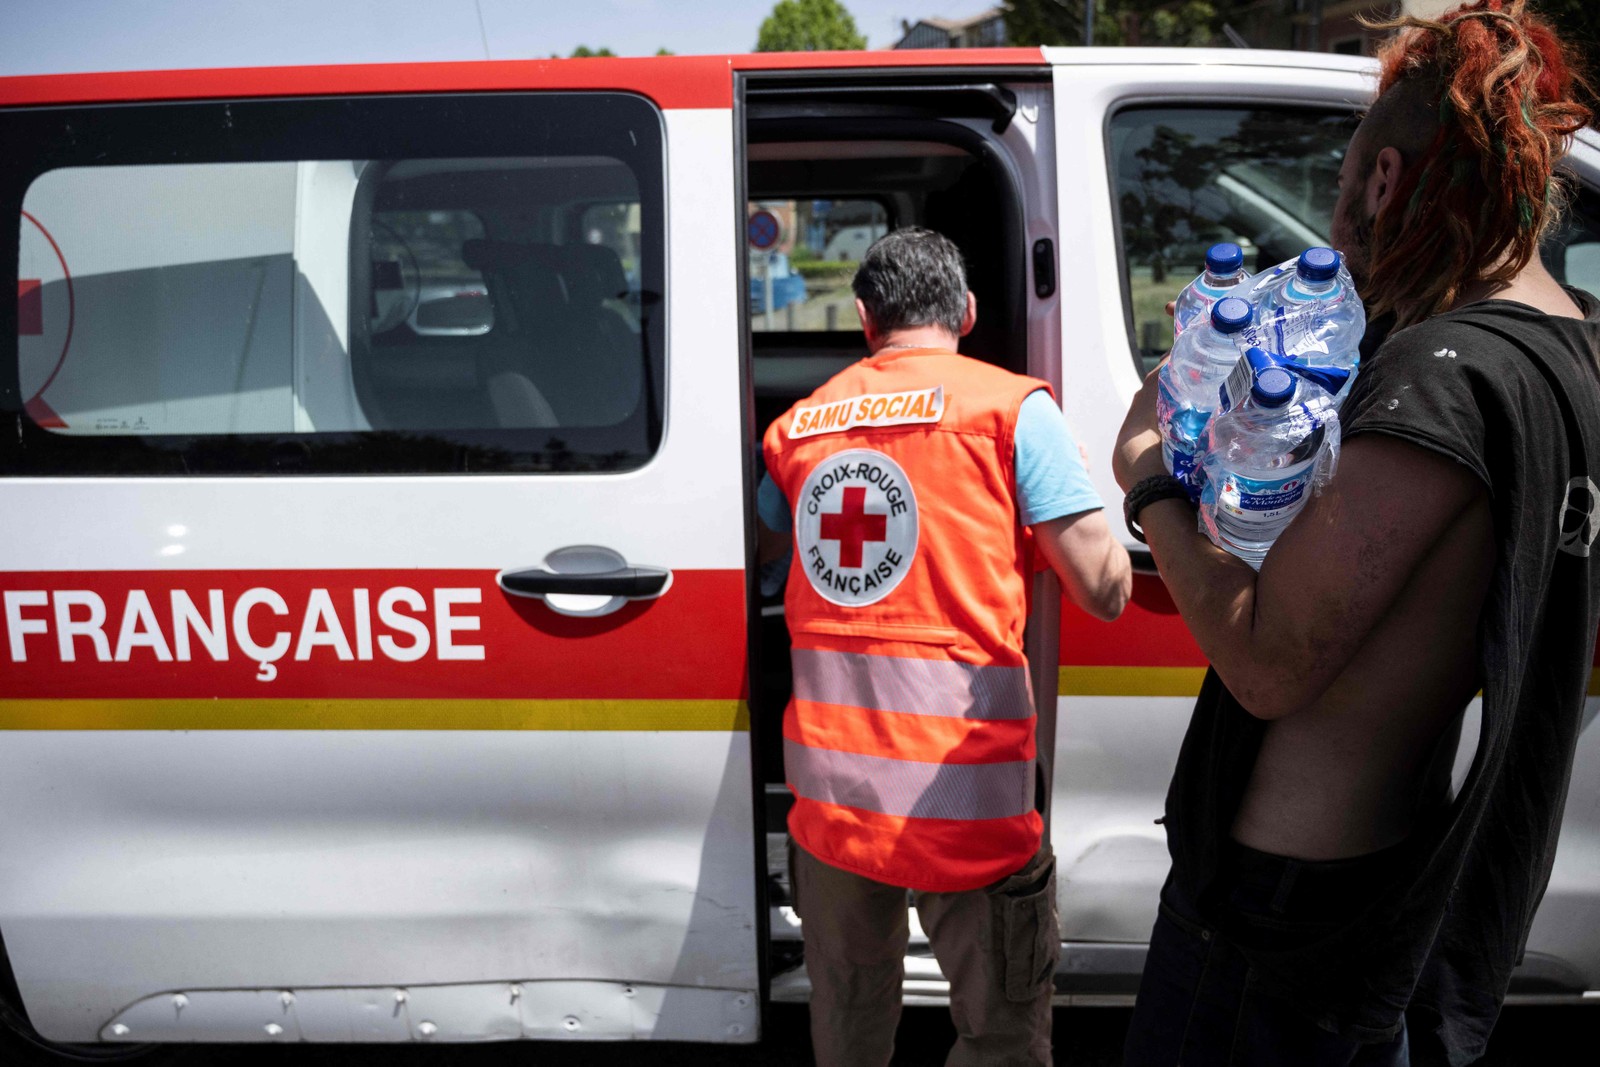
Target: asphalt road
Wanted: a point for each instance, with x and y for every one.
(1084, 1037)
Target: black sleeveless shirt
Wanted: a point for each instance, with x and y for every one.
(1513, 394)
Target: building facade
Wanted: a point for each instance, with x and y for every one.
(984, 30)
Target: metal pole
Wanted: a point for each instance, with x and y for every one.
(1088, 23)
(766, 281)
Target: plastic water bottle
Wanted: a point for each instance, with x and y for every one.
(1187, 388)
(1310, 313)
(1278, 436)
(1224, 270)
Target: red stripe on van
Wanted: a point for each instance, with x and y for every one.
(897, 58)
(1150, 633)
(689, 644)
(671, 81)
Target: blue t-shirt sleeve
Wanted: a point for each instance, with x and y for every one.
(771, 506)
(1052, 481)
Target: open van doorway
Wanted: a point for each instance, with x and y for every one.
(830, 166)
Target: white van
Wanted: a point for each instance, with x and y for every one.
(384, 656)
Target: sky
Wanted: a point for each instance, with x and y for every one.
(64, 36)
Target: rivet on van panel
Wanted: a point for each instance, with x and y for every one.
(273, 1029)
(571, 1023)
(426, 1029)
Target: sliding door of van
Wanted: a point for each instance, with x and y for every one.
(1158, 161)
(373, 557)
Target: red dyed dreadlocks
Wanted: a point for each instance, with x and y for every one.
(1475, 202)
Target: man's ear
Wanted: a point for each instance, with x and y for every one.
(1384, 180)
(969, 318)
(869, 329)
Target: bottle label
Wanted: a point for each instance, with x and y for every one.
(1263, 500)
(1237, 387)
(1185, 469)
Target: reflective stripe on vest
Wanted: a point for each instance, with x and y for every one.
(913, 686)
(907, 788)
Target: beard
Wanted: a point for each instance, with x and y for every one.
(1358, 246)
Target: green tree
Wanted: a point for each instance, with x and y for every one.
(665, 52)
(1131, 22)
(809, 26)
(583, 51)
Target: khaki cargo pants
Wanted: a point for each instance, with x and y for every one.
(998, 946)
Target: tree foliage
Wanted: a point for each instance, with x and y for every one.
(1131, 22)
(583, 51)
(809, 26)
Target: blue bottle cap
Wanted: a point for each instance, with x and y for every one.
(1230, 314)
(1318, 264)
(1273, 387)
(1224, 258)
(1271, 384)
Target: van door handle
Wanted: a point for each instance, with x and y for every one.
(633, 583)
(586, 581)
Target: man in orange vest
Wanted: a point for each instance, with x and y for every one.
(917, 484)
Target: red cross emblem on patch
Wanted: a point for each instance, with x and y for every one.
(856, 527)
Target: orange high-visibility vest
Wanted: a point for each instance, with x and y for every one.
(909, 741)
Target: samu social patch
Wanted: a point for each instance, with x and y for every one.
(856, 527)
(870, 409)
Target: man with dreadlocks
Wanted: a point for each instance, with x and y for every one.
(1330, 901)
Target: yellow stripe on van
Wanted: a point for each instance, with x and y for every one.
(1130, 681)
(276, 714)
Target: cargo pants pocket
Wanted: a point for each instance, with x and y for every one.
(1027, 930)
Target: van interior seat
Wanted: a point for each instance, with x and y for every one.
(569, 356)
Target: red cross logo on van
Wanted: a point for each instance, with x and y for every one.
(853, 526)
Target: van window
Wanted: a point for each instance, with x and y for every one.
(420, 279)
(487, 299)
(801, 282)
(1572, 249)
(1184, 178)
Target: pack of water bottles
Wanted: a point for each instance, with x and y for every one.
(1248, 401)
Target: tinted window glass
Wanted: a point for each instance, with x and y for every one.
(420, 280)
(801, 280)
(1572, 250)
(425, 285)
(1186, 178)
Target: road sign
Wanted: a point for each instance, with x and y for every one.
(764, 230)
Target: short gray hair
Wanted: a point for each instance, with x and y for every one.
(913, 277)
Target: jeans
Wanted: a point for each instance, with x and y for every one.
(1200, 1002)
